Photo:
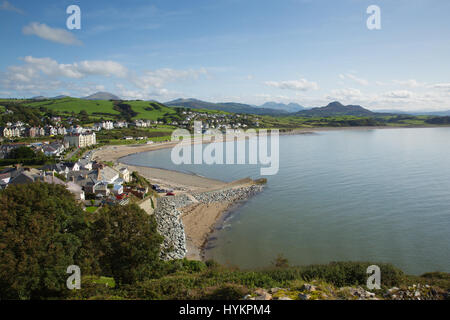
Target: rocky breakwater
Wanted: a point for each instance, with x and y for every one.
(228, 195)
(169, 210)
(171, 228)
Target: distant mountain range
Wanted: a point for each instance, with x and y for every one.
(336, 109)
(95, 96)
(102, 96)
(270, 108)
(274, 108)
(38, 98)
(224, 106)
(291, 107)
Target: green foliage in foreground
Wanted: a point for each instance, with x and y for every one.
(44, 230)
(184, 279)
(41, 235)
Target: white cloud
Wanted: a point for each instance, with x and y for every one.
(350, 76)
(411, 83)
(46, 74)
(398, 94)
(131, 94)
(34, 66)
(158, 78)
(297, 85)
(345, 94)
(101, 67)
(442, 85)
(9, 7)
(52, 34)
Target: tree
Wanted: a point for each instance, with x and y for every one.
(83, 115)
(128, 243)
(22, 153)
(41, 232)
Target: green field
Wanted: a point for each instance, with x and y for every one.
(103, 108)
(146, 111)
(70, 105)
(91, 209)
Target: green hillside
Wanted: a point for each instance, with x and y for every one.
(96, 110)
(76, 105)
(144, 109)
(149, 110)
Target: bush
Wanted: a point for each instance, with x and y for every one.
(351, 273)
(128, 243)
(228, 292)
(42, 229)
(91, 287)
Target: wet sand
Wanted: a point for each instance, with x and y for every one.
(199, 221)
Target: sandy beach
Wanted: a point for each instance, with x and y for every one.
(199, 220)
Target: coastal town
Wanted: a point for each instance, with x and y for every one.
(60, 125)
(92, 183)
(67, 152)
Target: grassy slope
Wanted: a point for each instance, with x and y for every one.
(76, 105)
(139, 107)
(203, 110)
(100, 106)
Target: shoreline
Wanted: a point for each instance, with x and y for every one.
(115, 152)
(202, 218)
(195, 217)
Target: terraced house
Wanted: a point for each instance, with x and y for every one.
(80, 140)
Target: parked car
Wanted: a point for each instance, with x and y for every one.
(170, 193)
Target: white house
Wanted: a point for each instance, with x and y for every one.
(73, 166)
(125, 174)
(108, 175)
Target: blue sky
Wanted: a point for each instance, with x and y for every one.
(250, 51)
